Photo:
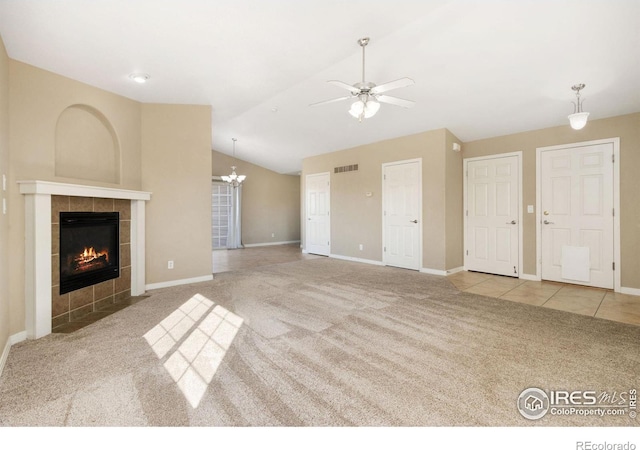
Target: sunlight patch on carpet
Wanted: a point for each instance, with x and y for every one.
(203, 343)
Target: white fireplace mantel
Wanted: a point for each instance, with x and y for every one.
(38, 244)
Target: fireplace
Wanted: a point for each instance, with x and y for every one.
(89, 249)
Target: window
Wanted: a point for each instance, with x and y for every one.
(221, 210)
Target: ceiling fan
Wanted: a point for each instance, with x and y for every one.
(368, 94)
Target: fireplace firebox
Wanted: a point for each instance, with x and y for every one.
(89, 249)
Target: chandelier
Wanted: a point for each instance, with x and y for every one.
(578, 119)
(234, 179)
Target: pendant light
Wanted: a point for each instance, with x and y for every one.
(234, 179)
(578, 119)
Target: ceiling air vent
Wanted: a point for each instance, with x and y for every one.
(342, 169)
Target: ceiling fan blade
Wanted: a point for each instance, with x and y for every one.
(332, 100)
(402, 82)
(354, 90)
(395, 101)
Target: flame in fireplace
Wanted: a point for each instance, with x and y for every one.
(89, 254)
(89, 259)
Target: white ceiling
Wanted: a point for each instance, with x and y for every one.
(481, 68)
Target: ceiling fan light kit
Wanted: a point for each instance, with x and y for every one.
(368, 95)
(578, 119)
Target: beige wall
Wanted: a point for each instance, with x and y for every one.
(176, 161)
(454, 238)
(36, 100)
(4, 219)
(357, 219)
(627, 128)
(270, 201)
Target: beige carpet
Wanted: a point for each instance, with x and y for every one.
(320, 342)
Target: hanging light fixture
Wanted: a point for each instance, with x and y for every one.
(578, 119)
(234, 179)
(365, 107)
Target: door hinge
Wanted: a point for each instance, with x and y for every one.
(385, 249)
(613, 212)
(613, 265)
(467, 252)
(384, 177)
(613, 158)
(327, 242)
(466, 213)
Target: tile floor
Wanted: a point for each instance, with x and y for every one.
(594, 302)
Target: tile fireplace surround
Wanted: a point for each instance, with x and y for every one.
(38, 261)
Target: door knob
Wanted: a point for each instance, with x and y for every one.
(513, 222)
(546, 222)
(414, 221)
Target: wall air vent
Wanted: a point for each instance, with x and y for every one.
(342, 169)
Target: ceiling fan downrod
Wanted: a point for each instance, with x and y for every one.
(363, 43)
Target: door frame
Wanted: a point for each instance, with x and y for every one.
(306, 209)
(616, 202)
(384, 219)
(465, 164)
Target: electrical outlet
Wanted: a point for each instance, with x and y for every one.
(170, 265)
(273, 235)
(361, 247)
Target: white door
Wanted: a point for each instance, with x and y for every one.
(576, 205)
(318, 228)
(492, 215)
(402, 214)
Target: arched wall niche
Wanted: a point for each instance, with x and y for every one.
(87, 146)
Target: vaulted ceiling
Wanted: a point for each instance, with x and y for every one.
(481, 68)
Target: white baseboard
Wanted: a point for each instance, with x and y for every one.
(4, 355)
(264, 244)
(18, 337)
(526, 276)
(13, 339)
(455, 270)
(629, 291)
(165, 284)
(442, 273)
(354, 259)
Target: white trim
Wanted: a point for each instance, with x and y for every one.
(165, 284)
(5, 355)
(455, 270)
(13, 340)
(266, 244)
(629, 291)
(442, 273)
(76, 190)
(18, 337)
(354, 259)
(616, 203)
(421, 214)
(138, 247)
(528, 277)
(465, 163)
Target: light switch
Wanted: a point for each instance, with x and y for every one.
(530, 209)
